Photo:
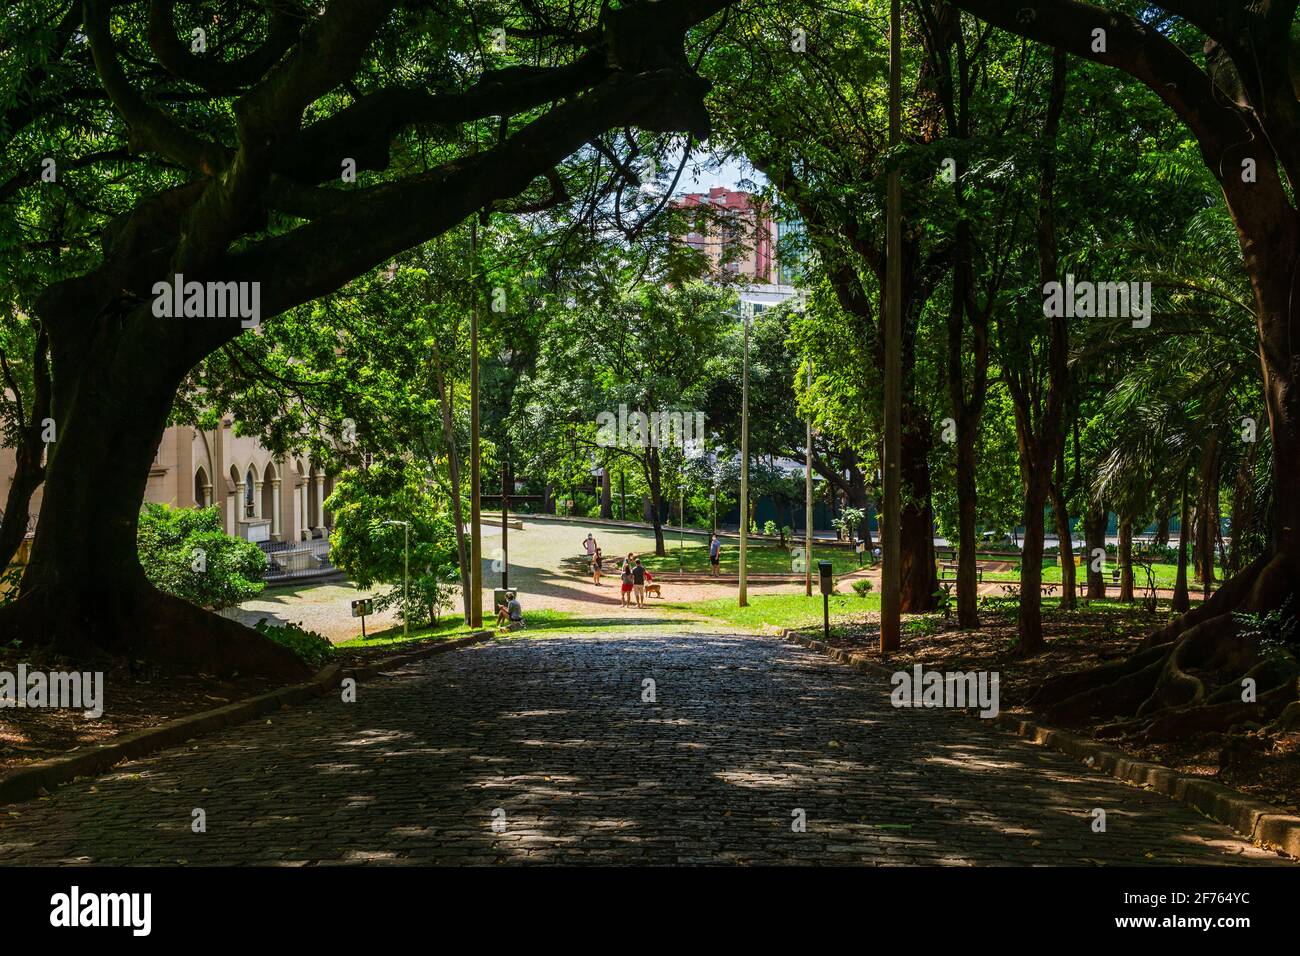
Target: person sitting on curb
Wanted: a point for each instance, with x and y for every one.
(511, 613)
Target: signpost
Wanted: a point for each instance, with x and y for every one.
(361, 608)
(824, 569)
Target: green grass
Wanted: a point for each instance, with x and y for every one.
(1165, 574)
(759, 559)
(777, 610)
(454, 627)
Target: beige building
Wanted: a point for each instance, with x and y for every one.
(262, 498)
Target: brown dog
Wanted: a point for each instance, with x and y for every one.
(652, 590)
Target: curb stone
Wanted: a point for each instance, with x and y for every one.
(24, 783)
(1264, 824)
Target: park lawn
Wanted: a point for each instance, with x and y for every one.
(1165, 574)
(759, 558)
(541, 619)
(778, 610)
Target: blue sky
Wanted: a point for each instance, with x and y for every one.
(728, 173)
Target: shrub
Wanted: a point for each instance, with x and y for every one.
(769, 528)
(314, 649)
(185, 553)
(429, 595)
(862, 587)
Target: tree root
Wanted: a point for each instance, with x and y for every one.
(1187, 678)
(1117, 697)
(1056, 689)
(141, 622)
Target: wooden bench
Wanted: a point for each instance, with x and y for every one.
(947, 566)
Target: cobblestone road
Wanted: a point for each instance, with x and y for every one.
(551, 740)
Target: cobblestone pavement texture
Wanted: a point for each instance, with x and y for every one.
(545, 751)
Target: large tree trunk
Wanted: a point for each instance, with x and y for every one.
(29, 450)
(916, 522)
(84, 592)
(1065, 543)
(1094, 537)
(1040, 432)
(1243, 507)
(967, 595)
(27, 477)
(1162, 524)
(1031, 568)
(652, 477)
(1126, 559)
(1182, 600)
(606, 495)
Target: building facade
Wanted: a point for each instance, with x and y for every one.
(261, 498)
(738, 235)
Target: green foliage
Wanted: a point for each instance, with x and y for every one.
(184, 552)
(314, 649)
(850, 520)
(371, 550)
(9, 579)
(862, 587)
(1275, 632)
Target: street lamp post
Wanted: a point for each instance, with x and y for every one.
(808, 504)
(681, 527)
(406, 576)
(744, 463)
(475, 479)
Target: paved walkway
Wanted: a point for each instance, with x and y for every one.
(546, 566)
(549, 739)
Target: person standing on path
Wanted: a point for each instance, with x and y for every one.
(638, 582)
(590, 546)
(625, 591)
(715, 554)
(595, 567)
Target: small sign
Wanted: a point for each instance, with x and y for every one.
(363, 607)
(860, 547)
(824, 569)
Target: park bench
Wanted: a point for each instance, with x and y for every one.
(948, 566)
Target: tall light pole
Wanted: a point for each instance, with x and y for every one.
(891, 552)
(475, 516)
(807, 503)
(406, 576)
(681, 526)
(744, 461)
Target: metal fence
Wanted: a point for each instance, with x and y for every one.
(290, 560)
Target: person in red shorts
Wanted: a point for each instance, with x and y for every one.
(626, 592)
